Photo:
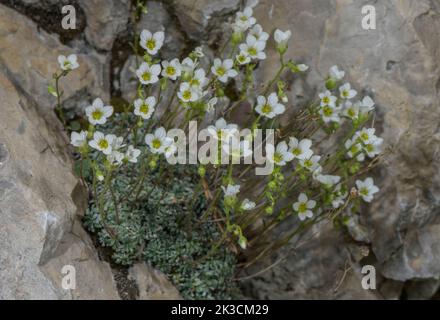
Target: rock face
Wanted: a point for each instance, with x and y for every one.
(30, 54)
(152, 284)
(40, 229)
(398, 64)
(105, 20)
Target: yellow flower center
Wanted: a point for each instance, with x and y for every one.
(354, 149)
(171, 70)
(277, 157)
(252, 51)
(364, 136)
(156, 143)
(296, 151)
(146, 76)
(308, 163)
(144, 108)
(97, 114)
(369, 147)
(194, 82)
(103, 144)
(244, 18)
(187, 95)
(326, 100)
(351, 113)
(345, 93)
(221, 71)
(327, 111)
(302, 207)
(151, 44)
(266, 108)
(363, 191)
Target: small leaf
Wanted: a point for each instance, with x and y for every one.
(52, 91)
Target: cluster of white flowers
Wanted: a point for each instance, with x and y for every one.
(332, 107)
(194, 87)
(364, 143)
(110, 145)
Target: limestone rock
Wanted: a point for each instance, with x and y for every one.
(30, 54)
(105, 20)
(39, 227)
(152, 284)
(197, 17)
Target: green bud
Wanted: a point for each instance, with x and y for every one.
(152, 164)
(272, 185)
(202, 171)
(330, 84)
(269, 210)
(237, 37)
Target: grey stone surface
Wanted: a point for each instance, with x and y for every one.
(30, 54)
(40, 230)
(105, 20)
(152, 284)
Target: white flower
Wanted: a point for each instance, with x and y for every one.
(152, 42)
(145, 108)
(330, 113)
(336, 74)
(354, 149)
(282, 37)
(281, 155)
(158, 142)
(367, 189)
(171, 69)
(303, 67)
(223, 70)
(116, 157)
(170, 150)
(300, 149)
(311, 164)
(367, 105)
(237, 149)
(68, 63)
(222, 130)
(347, 92)
(340, 197)
(198, 79)
(327, 99)
(254, 48)
(188, 93)
(211, 104)
(244, 19)
(366, 135)
(304, 207)
(102, 143)
(243, 58)
(148, 74)
(351, 110)
(78, 139)
(374, 148)
(258, 33)
(132, 154)
(97, 113)
(117, 142)
(247, 205)
(188, 65)
(328, 180)
(231, 190)
(269, 107)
